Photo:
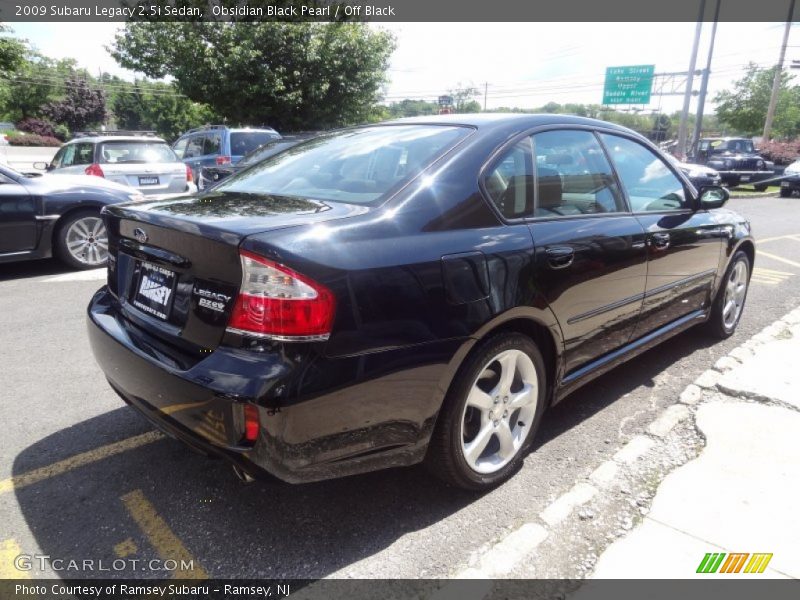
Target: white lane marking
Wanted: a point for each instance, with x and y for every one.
(91, 275)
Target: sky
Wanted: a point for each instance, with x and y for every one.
(518, 64)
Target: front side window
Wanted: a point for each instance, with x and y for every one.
(194, 147)
(357, 166)
(651, 185)
(510, 181)
(573, 176)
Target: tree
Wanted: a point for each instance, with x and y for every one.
(37, 81)
(82, 105)
(12, 52)
(288, 75)
(156, 106)
(744, 108)
(464, 99)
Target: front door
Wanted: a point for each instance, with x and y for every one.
(684, 244)
(590, 251)
(17, 217)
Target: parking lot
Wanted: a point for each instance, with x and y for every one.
(85, 478)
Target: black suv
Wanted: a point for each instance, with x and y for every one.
(737, 161)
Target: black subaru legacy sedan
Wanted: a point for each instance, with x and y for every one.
(418, 290)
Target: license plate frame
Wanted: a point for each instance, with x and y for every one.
(148, 180)
(154, 291)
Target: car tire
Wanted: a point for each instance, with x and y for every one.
(490, 414)
(785, 192)
(735, 283)
(81, 240)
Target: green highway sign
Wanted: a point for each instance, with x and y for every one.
(628, 85)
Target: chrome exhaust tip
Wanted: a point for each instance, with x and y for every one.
(242, 475)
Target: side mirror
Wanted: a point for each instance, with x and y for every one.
(713, 196)
(41, 166)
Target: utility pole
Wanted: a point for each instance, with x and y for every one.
(485, 94)
(776, 82)
(687, 96)
(701, 99)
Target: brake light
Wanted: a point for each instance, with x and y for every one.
(278, 303)
(251, 423)
(189, 174)
(94, 169)
(223, 160)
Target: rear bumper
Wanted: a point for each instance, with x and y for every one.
(319, 417)
(737, 177)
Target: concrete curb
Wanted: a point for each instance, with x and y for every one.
(505, 555)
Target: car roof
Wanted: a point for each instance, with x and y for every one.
(502, 120)
(117, 138)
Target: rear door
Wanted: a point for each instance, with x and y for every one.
(193, 154)
(684, 244)
(590, 261)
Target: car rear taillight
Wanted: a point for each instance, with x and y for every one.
(189, 174)
(278, 303)
(94, 169)
(251, 423)
(223, 160)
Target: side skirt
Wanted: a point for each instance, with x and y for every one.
(602, 365)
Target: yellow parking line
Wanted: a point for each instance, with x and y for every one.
(9, 550)
(79, 460)
(778, 258)
(167, 545)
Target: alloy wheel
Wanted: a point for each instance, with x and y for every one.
(87, 241)
(735, 291)
(499, 411)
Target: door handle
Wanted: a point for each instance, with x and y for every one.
(560, 257)
(660, 241)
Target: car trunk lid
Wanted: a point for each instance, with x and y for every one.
(175, 267)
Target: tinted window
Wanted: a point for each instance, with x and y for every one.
(212, 144)
(510, 182)
(573, 176)
(649, 182)
(356, 165)
(243, 142)
(135, 152)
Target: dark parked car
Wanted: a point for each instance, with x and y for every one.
(211, 176)
(737, 161)
(219, 145)
(700, 176)
(42, 215)
(791, 179)
(417, 290)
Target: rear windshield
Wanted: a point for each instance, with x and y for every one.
(356, 165)
(719, 146)
(136, 153)
(243, 142)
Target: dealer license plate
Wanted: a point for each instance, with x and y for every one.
(154, 290)
(148, 180)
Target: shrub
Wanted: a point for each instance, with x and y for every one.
(37, 127)
(781, 153)
(33, 140)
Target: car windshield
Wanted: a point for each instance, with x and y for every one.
(244, 142)
(267, 150)
(719, 146)
(136, 153)
(357, 166)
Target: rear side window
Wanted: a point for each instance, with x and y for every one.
(243, 142)
(651, 185)
(212, 144)
(135, 152)
(194, 147)
(180, 147)
(510, 181)
(573, 176)
(358, 166)
(78, 154)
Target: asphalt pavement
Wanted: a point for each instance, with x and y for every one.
(82, 476)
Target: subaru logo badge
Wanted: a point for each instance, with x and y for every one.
(140, 235)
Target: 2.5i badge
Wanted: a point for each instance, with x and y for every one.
(215, 301)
